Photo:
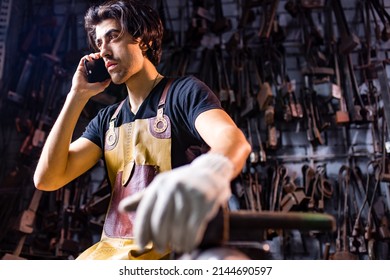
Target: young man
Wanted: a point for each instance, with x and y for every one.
(153, 131)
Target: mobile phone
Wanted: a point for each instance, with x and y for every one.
(96, 70)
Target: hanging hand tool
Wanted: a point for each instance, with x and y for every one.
(251, 107)
(221, 23)
(384, 17)
(357, 243)
(337, 91)
(370, 229)
(313, 131)
(264, 97)
(294, 197)
(253, 156)
(342, 244)
(262, 153)
(385, 96)
(25, 225)
(269, 14)
(348, 40)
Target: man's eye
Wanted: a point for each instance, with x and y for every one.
(113, 36)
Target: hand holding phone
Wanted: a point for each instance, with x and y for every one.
(96, 70)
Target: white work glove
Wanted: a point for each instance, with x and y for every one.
(177, 205)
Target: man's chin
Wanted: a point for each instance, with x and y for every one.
(116, 80)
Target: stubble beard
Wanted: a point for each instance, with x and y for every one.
(118, 77)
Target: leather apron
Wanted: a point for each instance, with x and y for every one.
(135, 153)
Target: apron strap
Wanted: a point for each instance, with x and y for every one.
(160, 103)
(113, 118)
(160, 107)
(165, 92)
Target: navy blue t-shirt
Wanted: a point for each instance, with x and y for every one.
(186, 99)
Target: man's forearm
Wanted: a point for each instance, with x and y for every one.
(49, 174)
(224, 137)
(235, 147)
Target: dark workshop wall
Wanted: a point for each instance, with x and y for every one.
(265, 67)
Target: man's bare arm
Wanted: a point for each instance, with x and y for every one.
(62, 161)
(223, 136)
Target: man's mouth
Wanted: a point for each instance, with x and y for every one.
(110, 65)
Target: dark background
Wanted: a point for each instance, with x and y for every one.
(41, 42)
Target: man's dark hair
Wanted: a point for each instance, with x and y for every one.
(135, 17)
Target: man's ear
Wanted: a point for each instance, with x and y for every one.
(144, 48)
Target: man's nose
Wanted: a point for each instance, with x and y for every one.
(105, 49)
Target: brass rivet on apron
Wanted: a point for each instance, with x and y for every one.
(160, 123)
(111, 137)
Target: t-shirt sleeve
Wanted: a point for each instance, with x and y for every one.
(93, 131)
(194, 97)
(96, 129)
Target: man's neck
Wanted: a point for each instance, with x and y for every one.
(139, 87)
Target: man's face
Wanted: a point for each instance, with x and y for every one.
(122, 55)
